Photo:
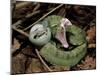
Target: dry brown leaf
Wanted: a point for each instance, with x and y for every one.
(16, 45)
(91, 33)
(29, 51)
(89, 63)
(59, 68)
(91, 45)
(18, 64)
(35, 66)
(79, 10)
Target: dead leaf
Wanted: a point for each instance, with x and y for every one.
(18, 64)
(89, 63)
(35, 66)
(29, 51)
(91, 34)
(16, 45)
(91, 45)
(59, 68)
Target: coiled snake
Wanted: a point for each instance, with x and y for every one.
(62, 43)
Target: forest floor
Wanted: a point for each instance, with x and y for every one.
(25, 58)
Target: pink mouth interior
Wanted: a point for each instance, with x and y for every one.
(61, 36)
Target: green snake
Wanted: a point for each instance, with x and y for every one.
(62, 42)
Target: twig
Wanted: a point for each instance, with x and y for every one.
(36, 7)
(37, 52)
(13, 3)
(33, 13)
(22, 4)
(44, 16)
(26, 17)
(20, 31)
(62, 12)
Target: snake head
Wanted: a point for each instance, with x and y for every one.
(61, 32)
(39, 35)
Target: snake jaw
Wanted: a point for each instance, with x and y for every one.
(61, 33)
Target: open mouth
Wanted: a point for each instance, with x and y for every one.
(61, 33)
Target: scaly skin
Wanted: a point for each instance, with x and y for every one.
(58, 25)
(57, 56)
(59, 53)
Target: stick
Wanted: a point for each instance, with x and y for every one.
(13, 3)
(36, 7)
(22, 4)
(44, 16)
(26, 17)
(37, 52)
(20, 31)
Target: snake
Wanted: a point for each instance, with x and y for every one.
(62, 43)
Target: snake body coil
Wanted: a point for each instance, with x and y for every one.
(57, 56)
(51, 51)
(65, 58)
